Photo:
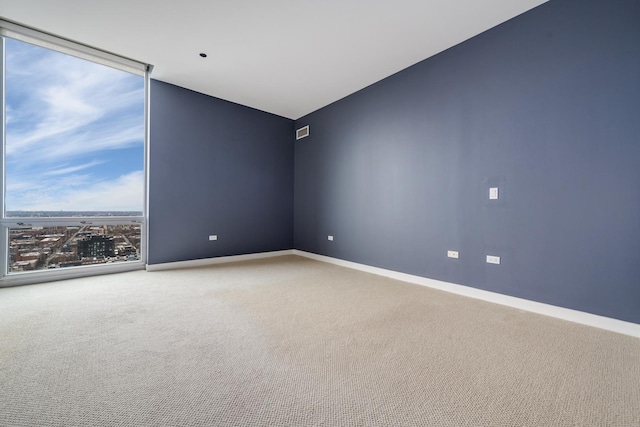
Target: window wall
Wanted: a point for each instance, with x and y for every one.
(74, 150)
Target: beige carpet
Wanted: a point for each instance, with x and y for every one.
(294, 342)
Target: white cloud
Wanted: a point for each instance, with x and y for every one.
(125, 193)
(71, 169)
(71, 105)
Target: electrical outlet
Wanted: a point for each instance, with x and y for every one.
(452, 254)
(330, 238)
(213, 237)
(491, 259)
(493, 193)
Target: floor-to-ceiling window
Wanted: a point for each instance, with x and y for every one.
(74, 132)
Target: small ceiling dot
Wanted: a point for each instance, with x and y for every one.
(204, 55)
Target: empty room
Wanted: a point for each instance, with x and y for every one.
(342, 213)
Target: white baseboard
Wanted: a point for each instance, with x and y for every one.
(594, 320)
(217, 260)
(615, 325)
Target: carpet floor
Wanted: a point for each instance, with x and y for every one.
(289, 341)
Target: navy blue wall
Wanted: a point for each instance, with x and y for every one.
(546, 107)
(217, 168)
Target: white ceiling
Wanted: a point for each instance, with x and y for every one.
(287, 57)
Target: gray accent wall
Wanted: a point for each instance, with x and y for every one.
(546, 107)
(216, 168)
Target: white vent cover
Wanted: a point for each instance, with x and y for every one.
(302, 132)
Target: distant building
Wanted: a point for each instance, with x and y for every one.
(23, 265)
(70, 264)
(51, 241)
(29, 256)
(96, 246)
(126, 250)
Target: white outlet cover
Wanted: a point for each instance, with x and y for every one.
(213, 237)
(452, 254)
(493, 193)
(492, 259)
(330, 238)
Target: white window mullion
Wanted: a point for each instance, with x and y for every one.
(68, 47)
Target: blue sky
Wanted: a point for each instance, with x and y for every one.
(74, 133)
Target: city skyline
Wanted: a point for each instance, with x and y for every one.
(56, 246)
(74, 133)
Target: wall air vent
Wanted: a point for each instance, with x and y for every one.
(302, 132)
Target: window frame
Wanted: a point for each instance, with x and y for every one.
(28, 35)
